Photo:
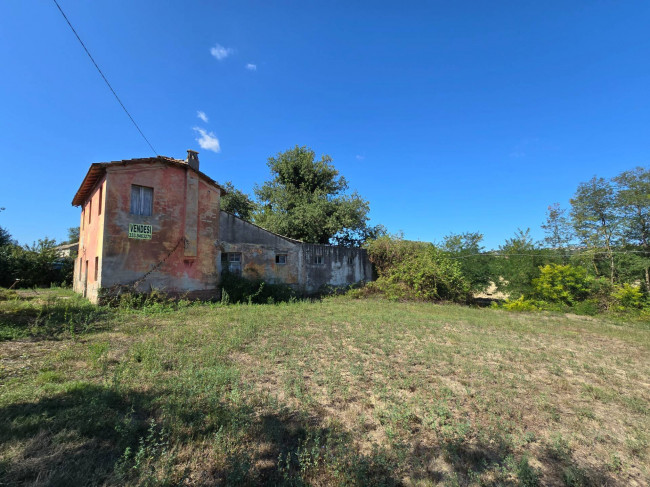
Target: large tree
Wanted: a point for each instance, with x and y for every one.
(307, 199)
(633, 202)
(595, 218)
(237, 202)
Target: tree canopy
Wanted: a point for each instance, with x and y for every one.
(306, 199)
(237, 202)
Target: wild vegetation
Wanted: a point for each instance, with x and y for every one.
(334, 392)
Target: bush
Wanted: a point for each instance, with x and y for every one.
(562, 284)
(627, 297)
(237, 289)
(520, 304)
(415, 270)
(37, 265)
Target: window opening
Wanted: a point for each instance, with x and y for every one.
(141, 200)
(281, 259)
(231, 262)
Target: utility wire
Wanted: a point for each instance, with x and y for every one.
(104, 77)
(569, 254)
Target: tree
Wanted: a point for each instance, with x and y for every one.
(557, 229)
(519, 265)
(475, 265)
(306, 199)
(237, 202)
(595, 219)
(633, 201)
(73, 235)
(5, 237)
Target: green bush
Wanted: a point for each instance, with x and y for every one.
(627, 297)
(36, 265)
(561, 284)
(520, 304)
(237, 289)
(415, 270)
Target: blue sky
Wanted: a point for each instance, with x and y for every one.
(446, 116)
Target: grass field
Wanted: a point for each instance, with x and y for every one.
(336, 392)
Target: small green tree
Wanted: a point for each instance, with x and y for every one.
(557, 230)
(519, 263)
(475, 264)
(73, 235)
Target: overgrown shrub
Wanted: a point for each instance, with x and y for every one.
(36, 265)
(627, 297)
(562, 284)
(238, 289)
(520, 304)
(415, 270)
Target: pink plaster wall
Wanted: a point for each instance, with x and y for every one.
(126, 260)
(90, 243)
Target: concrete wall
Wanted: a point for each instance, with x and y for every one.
(181, 203)
(340, 266)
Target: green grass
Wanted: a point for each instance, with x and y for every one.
(338, 392)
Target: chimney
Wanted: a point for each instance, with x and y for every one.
(193, 159)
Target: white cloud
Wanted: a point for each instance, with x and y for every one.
(220, 52)
(202, 116)
(360, 157)
(207, 140)
(251, 67)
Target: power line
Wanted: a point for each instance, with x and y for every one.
(568, 254)
(104, 77)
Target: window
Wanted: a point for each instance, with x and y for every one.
(318, 259)
(96, 268)
(281, 259)
(99, 209)
(350, 260)
(90, 211)
(231, 262)
(141, 200)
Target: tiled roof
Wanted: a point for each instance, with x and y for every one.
(98, 169)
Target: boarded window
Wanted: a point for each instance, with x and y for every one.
(231, 262)
(281, 259)
(141, 200)
(99, 207)
(318, 259)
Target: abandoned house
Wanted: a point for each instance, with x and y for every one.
(156, 223)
